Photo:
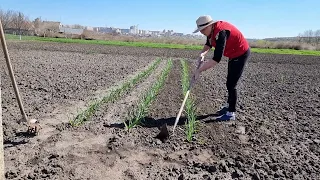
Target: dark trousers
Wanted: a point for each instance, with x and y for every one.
(235, 69)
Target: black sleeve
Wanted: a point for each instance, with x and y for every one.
(208, 42)
(221, 40)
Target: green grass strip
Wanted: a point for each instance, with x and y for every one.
(137, 115)
(114, 95)
(190, 107)
(286, 51)
(156, 45)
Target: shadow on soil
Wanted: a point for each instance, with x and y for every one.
(19, 139)
(150, 122)
(12, 143)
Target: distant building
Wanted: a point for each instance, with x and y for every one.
(106, 29)
(50, 26)
(155, 33)
(177, 34)
(143, 32)
(134, 30)
(125, 31)
(88, 28)
(96, 29)
(118, 31)
(67, 30)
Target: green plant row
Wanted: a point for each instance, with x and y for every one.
(113, 95)
(190, 107)
(136, 115)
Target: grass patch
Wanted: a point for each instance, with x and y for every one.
(286, 51)
(157, 45)
(105, 42)
(137, 115)
(113, 96)
(190, 107)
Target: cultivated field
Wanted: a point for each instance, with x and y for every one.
(276, 134)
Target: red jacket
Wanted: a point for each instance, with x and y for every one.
(236, 44)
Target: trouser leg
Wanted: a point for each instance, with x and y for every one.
(235, 70)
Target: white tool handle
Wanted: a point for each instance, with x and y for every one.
(184, 101)
(181, 108)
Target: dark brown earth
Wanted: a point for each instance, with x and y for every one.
(276, 134)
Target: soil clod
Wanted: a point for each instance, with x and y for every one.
(164, 133)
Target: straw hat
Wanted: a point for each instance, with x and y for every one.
(203, 22)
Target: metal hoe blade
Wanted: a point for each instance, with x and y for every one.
(164, 133)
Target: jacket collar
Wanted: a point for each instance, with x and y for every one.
(212, 30)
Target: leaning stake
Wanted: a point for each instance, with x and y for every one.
(6, 55)
(32, 124)
(1, 140)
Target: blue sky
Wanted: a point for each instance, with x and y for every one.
(253, 17)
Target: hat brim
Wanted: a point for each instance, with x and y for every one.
(200, 28)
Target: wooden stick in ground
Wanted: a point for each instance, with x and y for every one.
(14, 84)
(1, 140)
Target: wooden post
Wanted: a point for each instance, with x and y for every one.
(14, 84)
(1, 140)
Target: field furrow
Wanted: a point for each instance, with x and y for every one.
(136, 116)
(116, 113)
(113, 95)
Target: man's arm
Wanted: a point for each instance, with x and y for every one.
(207, 65)
(221, 40)
(205, 50)
(206, 47)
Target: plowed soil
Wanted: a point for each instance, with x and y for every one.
(275, 136)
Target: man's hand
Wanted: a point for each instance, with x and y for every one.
(200, 60)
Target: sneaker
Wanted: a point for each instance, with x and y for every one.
(223, 110)
(227, 117)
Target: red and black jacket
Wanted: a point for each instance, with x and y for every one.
(227, 40)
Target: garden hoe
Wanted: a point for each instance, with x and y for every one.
(164, 133)
(33, 124)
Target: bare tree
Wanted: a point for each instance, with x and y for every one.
(317, 36)
(78, 26)
(6, 18)
(307, 36)
(17, 21)
(300, 38)
(310, 37)
(37, 23)
(21, 22)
